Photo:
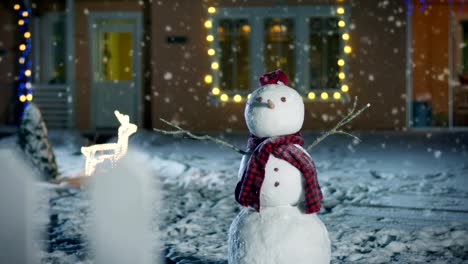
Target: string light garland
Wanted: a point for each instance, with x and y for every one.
(25, 94)
(338, 11)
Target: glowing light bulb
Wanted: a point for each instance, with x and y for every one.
(214, 65)
(29, 97)
(211, 52)
(208, 24)
(341, 62)
(246, 28)
(215, 91)
(22, 47)
(345, 36)
(341, 75)
(311, 95)
(341, 23)
(224, 97)
(27, 73)
(209, 38)
(336, 95)
(21, 22)
(27, 34)
(344, 88)
(324, 96)
(21, 60)
(237, 98)
(340, 10)
(16, 7)
(22, 98)
(208, 78)
(28, 85)
(25, 14)
(347, 49)
(211, 10)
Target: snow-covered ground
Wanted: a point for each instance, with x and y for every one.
(394, 198)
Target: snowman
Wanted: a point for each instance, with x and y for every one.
(278, 186)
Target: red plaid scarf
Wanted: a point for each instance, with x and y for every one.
(282, 147)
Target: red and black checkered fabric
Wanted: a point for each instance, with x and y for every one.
(282, 147)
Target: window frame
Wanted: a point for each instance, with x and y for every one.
(256, 17)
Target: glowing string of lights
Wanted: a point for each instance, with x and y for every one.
(324, 95)
(25, 93)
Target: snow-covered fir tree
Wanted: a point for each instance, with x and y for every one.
(33, 140)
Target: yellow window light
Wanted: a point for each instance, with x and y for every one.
(340, 10)
(208, 24)
(341, 75)
(29, 97)
(208, 78)
(345, 36)
(224, 97)
(211, 52)
(237, 98)
(336, 95)
(27, 72)
(22, 47)
(16, 7)
(27, 34)
(214, 65)
(25, 14)
(21, 22)
(211, 10)
(341, 23)
(215, 91)
(311, 95)
(209, 38)
(324, 96)
(341, 62)
(344, 88)
(347, 49)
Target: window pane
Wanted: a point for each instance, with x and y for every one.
(116, 54)
(279, 46)
(56, 45)
(234, 35)
(325, 49)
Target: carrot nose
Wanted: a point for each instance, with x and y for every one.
(271, 105)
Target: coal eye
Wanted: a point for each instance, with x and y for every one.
(259, 99)
(283, 99)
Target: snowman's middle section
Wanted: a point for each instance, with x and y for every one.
(282, 185)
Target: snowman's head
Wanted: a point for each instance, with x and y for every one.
(274, 110)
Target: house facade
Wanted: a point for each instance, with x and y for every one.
(195, 62)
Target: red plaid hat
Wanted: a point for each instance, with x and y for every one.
(273, 78)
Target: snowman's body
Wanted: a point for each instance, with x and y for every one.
(280, 232)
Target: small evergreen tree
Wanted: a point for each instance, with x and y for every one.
(33, 140)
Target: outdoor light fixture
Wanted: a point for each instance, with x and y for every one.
(215, 91)
(311, 95)
(344, 88)
(324, 96)
(24, 88)
(237, 98)
(224, 97)
(111, 152)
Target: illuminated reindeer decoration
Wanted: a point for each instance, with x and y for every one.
(112, 152)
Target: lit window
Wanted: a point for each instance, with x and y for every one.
(309, 43)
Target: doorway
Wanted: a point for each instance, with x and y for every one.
(115, 67)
